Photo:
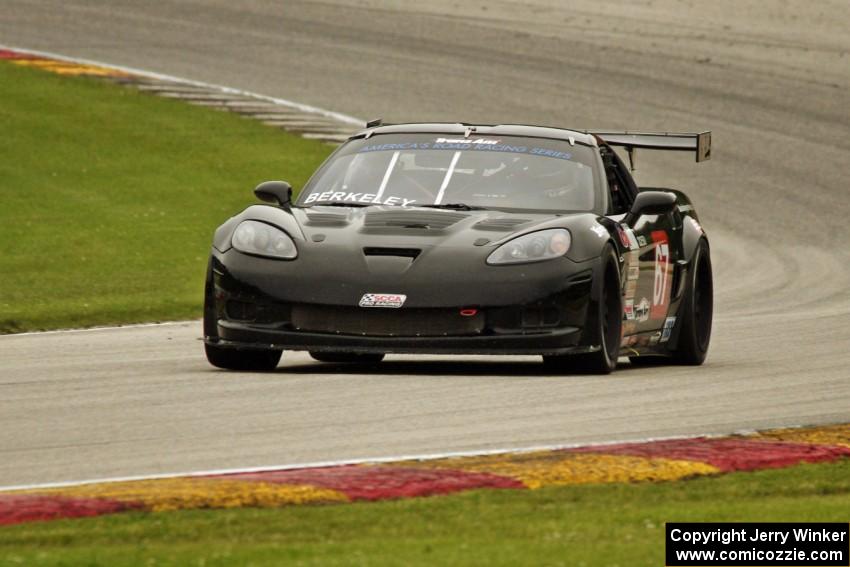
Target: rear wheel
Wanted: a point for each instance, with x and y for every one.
(604, 322)
(697, 311)
(354, 357)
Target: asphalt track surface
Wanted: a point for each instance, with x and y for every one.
(771, 81)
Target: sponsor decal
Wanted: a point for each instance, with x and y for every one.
(631, 289)
(663, 275)
(629, 310)
(641, 241)
(599, 230)
(634, 272)
(642, 310)
(465, 141)
(624, 239)
(669, 322)
(627, 237)
(348, 197)
(391, 300)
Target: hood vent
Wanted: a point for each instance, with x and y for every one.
(327, 219)
(411, 253)
(500, 224)
(412, 219)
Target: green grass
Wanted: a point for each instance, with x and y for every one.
(614, 524)
(109, 198)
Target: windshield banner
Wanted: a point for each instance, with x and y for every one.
(478, 144)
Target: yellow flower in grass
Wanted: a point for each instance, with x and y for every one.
(826, 435)
(160, 495)
(67, 68)
(549, 468)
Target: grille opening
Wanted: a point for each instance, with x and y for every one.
(540, 315)
(251, 312)
(404, 322)
(240, 310)
(411, 253)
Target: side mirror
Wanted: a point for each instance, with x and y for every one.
(650, 203)
(279, 192)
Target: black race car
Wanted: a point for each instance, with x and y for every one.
(466, 239)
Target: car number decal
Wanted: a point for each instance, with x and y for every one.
(663, 275)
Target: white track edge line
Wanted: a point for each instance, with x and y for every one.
(103, 328)
(375, 460)
(345, 118)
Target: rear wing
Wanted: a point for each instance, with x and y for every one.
(700, 143)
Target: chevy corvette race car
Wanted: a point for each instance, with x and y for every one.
(466, 239)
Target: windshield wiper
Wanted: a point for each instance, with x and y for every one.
(455, 207)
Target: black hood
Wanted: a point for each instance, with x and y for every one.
(397, 226)
(436, 257)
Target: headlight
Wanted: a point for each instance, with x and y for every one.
(532, 247)
(253, 237)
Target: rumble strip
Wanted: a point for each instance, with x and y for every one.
(648, 461)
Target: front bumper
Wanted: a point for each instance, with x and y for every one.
(537, 309)
(559, 341)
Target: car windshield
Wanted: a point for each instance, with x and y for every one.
(500, 172)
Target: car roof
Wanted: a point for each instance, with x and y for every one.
(469, 130)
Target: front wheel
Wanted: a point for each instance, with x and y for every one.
(230, 358)
(604, 324)
(233, 359)
(355, 357)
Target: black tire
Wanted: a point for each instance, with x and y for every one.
(230, 358)
(605, 320)
(210, 326)
(648, 360)
(234, 359)
(697, 311)
(354, 357)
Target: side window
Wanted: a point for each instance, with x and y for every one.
(620, 184)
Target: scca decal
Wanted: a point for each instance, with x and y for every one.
(391, 300)
(663, 275)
